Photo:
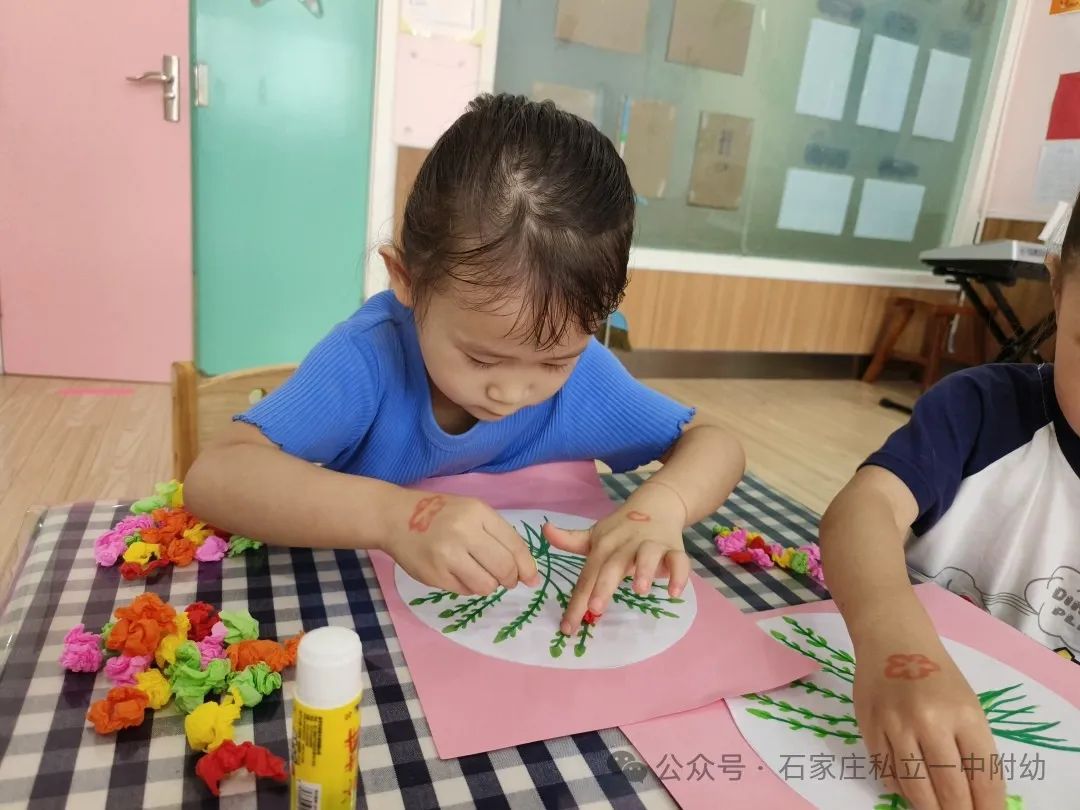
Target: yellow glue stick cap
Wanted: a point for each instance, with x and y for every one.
(329, 668)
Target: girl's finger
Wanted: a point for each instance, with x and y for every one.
(454, 585)
(678, 565)
(943, 764)
(579, 597)
(911, 771)
(609, 578)
(987, 788)
(878, 747)
(496, 559)
(576, 541)
(649, 556)
(524, 564)
(474, 577)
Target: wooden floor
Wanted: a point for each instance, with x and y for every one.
(68, 440)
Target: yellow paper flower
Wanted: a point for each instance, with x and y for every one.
(155, 686)
(142, 553)
(177, 499)
(197, 534)
(165, 653)
(212, 723)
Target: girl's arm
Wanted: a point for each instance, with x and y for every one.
(245, 484)
(700, 470)
(909, 695)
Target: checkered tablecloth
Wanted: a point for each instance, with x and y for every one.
(49, 757)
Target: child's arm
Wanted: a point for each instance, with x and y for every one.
(644, 536)
(910, 699)
(246, 484)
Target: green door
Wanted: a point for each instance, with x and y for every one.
(281, 160)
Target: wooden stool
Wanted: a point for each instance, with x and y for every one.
(898, 315)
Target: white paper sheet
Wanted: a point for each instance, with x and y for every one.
(889, 210)
(513, 628)
(942, 96)
(435, 80)
(888, 83)
(1058, 177)
(815, 201)
(826, 71)
(457, 19)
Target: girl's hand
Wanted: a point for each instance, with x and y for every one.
(917, 713)
(643, 539)
(460, 545)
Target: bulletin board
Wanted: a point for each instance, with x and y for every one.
(835, 131)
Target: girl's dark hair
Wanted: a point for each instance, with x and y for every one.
(518, 196)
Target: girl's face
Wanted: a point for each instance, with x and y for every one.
(477, 364)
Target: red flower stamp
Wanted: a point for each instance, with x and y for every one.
(639, 517)
(590, 617)
(909, 667)
(425, 511)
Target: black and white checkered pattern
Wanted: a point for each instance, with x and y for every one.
(50, 757)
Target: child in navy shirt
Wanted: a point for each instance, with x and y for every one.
(983, 483)
(481, 358)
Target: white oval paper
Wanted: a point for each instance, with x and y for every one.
(784, 749)
(623, 635)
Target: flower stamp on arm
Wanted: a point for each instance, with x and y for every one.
(913, 667)
(425, 511)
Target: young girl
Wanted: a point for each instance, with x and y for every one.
(513, 251)
(985, 475)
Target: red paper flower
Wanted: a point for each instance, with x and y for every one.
(757, 541)
(909, 667)
(590, 617)
(133, 570)
(122, 707)
(741, 556)
(230, 757)
(202, 617)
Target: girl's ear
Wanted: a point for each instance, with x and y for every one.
(400, 282)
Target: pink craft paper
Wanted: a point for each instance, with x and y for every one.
(475, 703)
(711, 731)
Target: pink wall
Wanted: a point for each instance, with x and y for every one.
(1050, 46)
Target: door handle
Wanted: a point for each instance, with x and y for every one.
(169, 79)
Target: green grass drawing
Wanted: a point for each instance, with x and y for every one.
(558, 574)
(1010, 718)
(894, 801)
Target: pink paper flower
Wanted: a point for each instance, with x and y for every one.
(213, 549)
(110, 546)
(735, 541)
(213, 646)
(761, 557)
(82, 650)
(122, 669)
(133, 523)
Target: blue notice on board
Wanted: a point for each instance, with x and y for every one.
(826, 71)
(815, 201)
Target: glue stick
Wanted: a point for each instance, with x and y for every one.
(326, 720)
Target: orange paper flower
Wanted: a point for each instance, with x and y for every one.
(122, 707)
(180, 551)
(150, 606)
(277, 656)
(135, 636)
